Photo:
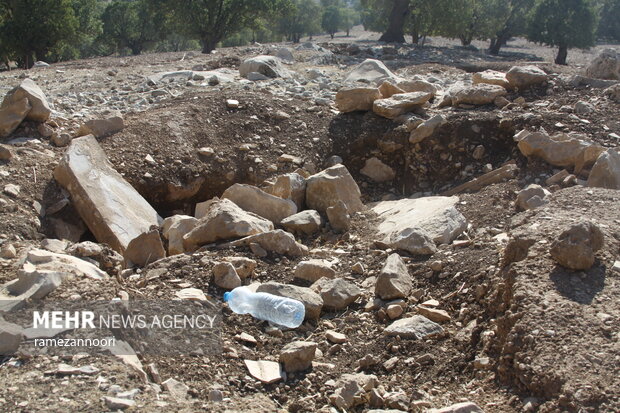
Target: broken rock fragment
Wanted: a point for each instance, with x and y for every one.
(278, 241)
(415, 225)
(338, 216)
(337, 293)
(400, 104)
(111, 208)
(224, 220)
(144, 249)
(253, 199)
(394, 280)
(40, 109)
(377, 170)
(313, 270)
(416, 327)
(533, 196)
(298, 355)
(606, 171)
(102, 127)
(306, 222)
(352, 99)
(352, 389)
(576, 245)
(334, 184)
(521, 77)
(12, 115)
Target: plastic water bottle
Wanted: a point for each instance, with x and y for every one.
(278, 310)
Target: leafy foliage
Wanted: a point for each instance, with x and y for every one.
(563, 23)
(332, 20)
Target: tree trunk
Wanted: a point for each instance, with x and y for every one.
(560, 59)
(394, 33)
(332, 35)
(465, 40)
(208, 44)
(348, 30)
(498, 42)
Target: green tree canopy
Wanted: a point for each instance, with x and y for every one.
(32, 28)
(563, 23)
(332, 20)
(609, 26)
(303, 17)
(210, 21)
(133, 25)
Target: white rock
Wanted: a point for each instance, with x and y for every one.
(377, 170)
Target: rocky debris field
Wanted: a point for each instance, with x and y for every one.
(451, 228)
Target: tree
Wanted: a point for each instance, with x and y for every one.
(32, 28)
(133, 25)
(211, 21)
(396, 23)
(302, 18)
(350, 18)
(510, 20)
(563, 23)
(609, 26)
(331, 20)
(89, 28)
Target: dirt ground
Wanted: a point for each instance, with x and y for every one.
(551, 335)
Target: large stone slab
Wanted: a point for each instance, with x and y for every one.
(399, 104)
(334, 184)
(253, 199)
(491, 77)
(111, 208)
(404, 223)
(559, 150)
(479, 94)
(224, 220)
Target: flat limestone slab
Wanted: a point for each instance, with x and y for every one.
(111, 208)
(436, 216)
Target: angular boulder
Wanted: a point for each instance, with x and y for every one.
(290, 186)
(312, 302)
(253, 199)
(394, 280)
(144, 249)
(521, 77)
(370, 71)
(331, 185)
(352, 389)
(416, 327)
(337, 293)
(338, 217)
(426, 129)
(377, 170)
(409, 224)
(605, 66)
(174, 229)
(613, 93)
(225, 276)
(533, 196)
(12, 115)
(11, 336)
(399, 104)
(606, 171)
(111, 208)
(28, 89)
(351, 99)
(388, 89)
(298, 355)
(313, 270)
(559, 150)
(576, 245)
(224, 220)
(491, 77)
(102, 127)
(480, 94)
(306, 222)
(269, 66)
(417, 86)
